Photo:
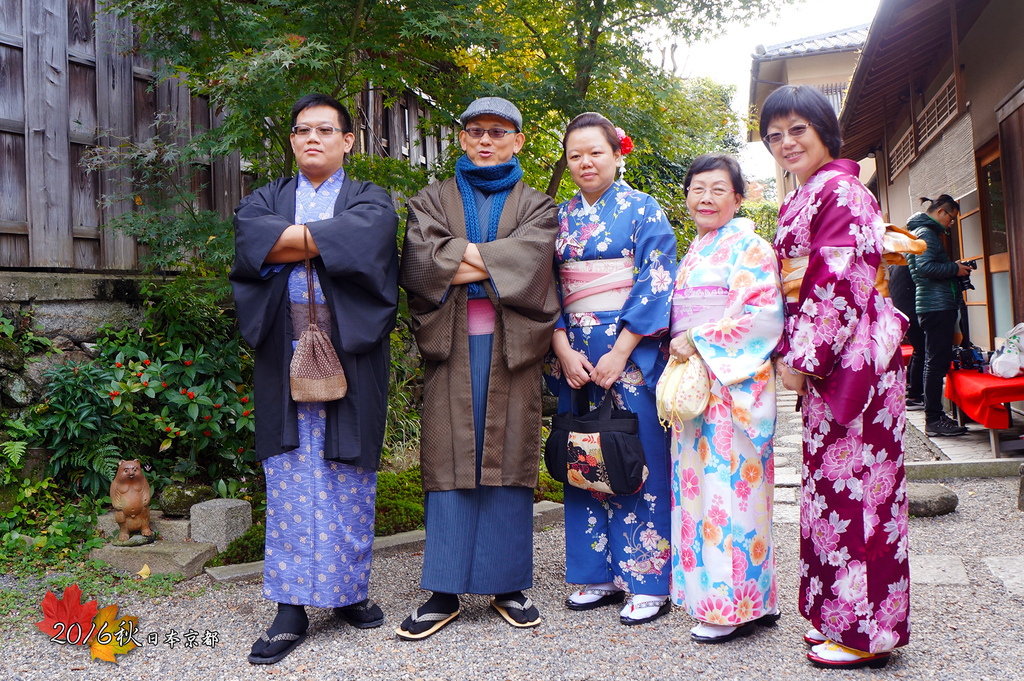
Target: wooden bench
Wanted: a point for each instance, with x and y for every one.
(986, 399)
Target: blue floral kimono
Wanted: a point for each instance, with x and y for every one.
(619, 255)
(320, 513)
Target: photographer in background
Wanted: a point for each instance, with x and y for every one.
(904, 297)
(937, 304)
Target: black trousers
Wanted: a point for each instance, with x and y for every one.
(938, 328)
(915, 369)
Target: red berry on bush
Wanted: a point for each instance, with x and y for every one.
(216, 406)
(245, 413)
(146, 362)
(188, 362)
(163, 383)
(241, 449)
(138, 375)
(168, 429)
(183, 391)
(145, 383)
(206, 433)
(206, 418)
(191, 395)
(117, 364)
(244, 400)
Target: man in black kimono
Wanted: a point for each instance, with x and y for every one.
(320, 458)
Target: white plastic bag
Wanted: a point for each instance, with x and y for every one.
(1008, 361)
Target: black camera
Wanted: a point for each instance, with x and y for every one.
(964, 282)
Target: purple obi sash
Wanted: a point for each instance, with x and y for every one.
(696, 305)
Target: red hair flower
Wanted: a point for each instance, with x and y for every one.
(625, 143)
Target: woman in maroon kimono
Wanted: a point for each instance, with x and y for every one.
(839, 352)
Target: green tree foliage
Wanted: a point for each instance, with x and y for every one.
(559, 59)
(253, 58)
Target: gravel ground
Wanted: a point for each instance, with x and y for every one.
(972, 631)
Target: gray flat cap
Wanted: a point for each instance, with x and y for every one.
(494, 106)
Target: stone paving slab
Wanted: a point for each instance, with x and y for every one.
(786, 514)
(785, 495)
(796, 439)
(933, 569)
(786, 477)
(786, 450)
(1010, 571)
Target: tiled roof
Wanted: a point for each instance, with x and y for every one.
(833, 41)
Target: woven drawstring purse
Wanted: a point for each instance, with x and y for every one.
(316, 372)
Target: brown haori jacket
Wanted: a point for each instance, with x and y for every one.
(520, 261)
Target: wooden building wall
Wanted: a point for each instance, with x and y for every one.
(69, 81)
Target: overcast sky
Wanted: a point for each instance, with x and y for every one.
(727, 59)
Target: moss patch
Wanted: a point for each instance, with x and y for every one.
(176, 500)
(247, 548)
(399, 502)
(547, 487)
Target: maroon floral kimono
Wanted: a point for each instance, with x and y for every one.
(854, 571)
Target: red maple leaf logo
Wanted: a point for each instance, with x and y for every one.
(67, 619)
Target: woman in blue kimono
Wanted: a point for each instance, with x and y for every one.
(616, 254)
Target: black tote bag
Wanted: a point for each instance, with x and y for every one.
(599, 451)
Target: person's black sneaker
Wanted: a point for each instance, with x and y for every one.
(914, 404)
(944, 427)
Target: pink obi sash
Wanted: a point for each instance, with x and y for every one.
(480, 315)
(596, 285)
(696, 305)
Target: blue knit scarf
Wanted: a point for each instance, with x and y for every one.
(497, 180)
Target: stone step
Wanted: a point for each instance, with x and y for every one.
(162, 557)
(169, 529)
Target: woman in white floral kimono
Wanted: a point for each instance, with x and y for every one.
(616, 255)
(726, 309)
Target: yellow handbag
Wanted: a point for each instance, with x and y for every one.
(683, 390)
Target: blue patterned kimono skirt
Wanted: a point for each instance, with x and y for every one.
(319, 512)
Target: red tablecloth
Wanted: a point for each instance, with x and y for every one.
(982, 396)
(908, 352)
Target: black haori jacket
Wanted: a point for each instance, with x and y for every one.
(358, 271)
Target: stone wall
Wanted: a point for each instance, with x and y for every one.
(66, 308)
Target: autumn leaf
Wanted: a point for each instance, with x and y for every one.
(113, 635)
(61, 615)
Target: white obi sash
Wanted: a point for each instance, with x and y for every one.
(696, 305)
(596, 285)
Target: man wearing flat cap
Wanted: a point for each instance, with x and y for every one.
(477, 267)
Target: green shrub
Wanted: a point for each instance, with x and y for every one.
(44, 523)
(174, 393)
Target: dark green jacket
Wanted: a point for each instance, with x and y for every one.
(933, 272)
